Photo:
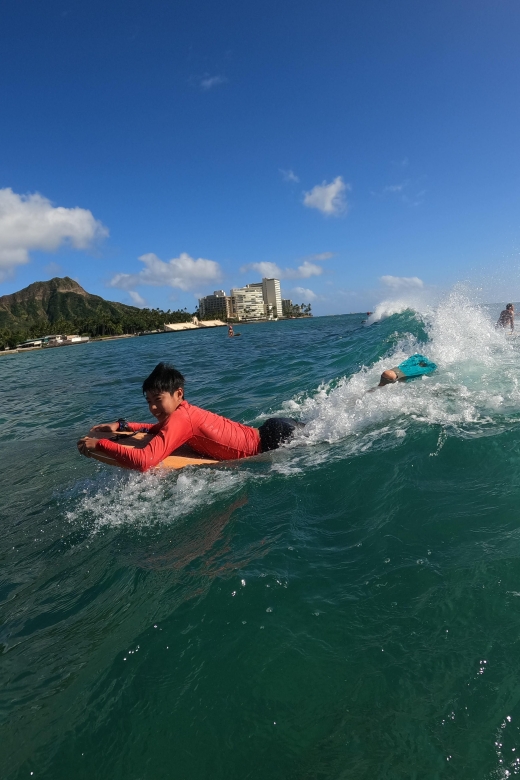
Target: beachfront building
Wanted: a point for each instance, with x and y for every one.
(248, 302)
(272, 298)
(216, 306)
(286, 307)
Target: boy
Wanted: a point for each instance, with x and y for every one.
(181, 423)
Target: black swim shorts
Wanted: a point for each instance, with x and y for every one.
(275, 431)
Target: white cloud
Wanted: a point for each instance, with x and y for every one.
(304, 271)
(136, 298)
(402, 282)
(328, 198)
(289, 175)
(405, 191)
(270, 270)
(322, 256)
(304, 292)
(31, 222)
(208, 82)
(395, 187)
(273, 271)
(182, 272)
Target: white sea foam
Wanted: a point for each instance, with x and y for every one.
(133, 499)
(421, 300)
(478, 380)
(388, 308)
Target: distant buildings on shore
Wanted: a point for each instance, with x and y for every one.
(258, 301)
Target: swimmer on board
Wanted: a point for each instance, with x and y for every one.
(414, 366)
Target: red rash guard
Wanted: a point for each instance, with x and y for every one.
(206, 433)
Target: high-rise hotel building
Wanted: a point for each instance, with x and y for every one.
(216, 306)
(257, 301)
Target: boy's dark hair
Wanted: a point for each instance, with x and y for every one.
(163, 379)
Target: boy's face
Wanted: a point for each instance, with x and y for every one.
(161, 405)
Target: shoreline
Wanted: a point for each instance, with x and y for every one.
(18, 350)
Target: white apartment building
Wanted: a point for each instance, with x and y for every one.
(214, 306)
(248, 302)
(272, 297)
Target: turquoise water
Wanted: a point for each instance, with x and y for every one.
(349, 608)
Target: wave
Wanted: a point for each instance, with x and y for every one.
(475, 392)
(476, 386)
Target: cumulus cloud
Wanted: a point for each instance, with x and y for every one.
(31, 222)
(322, 256)
(328, 198)
(273, 271)
(304, 271)
(304, 292)
(137, 299)
(289, 175)
(182, 272)
(402, 282)
(208, 82)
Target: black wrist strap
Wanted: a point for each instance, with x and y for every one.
(123, 424)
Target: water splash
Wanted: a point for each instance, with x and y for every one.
(477, 384)
(138, 500)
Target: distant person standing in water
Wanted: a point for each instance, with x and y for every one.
(507, 317)
(230, 331)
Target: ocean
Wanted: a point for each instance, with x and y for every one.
(348, 607)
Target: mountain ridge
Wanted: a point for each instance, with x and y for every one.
(55, 299)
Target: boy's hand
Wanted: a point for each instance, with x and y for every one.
(106, 427)
(86, 445)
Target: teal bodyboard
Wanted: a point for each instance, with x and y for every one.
(417, 365)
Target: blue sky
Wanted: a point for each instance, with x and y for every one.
(362, 149)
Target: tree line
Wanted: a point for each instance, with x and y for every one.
(299, 310)
(101, 322)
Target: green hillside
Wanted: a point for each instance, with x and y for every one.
(57, 299)
(63, 306)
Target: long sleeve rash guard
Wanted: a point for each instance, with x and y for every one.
(206, 433)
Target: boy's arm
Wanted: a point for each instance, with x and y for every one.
(167, 439)
(134, 426)
(114, 427)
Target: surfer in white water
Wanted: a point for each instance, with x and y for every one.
(414, 366)
(507, 317)
(391, 375)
